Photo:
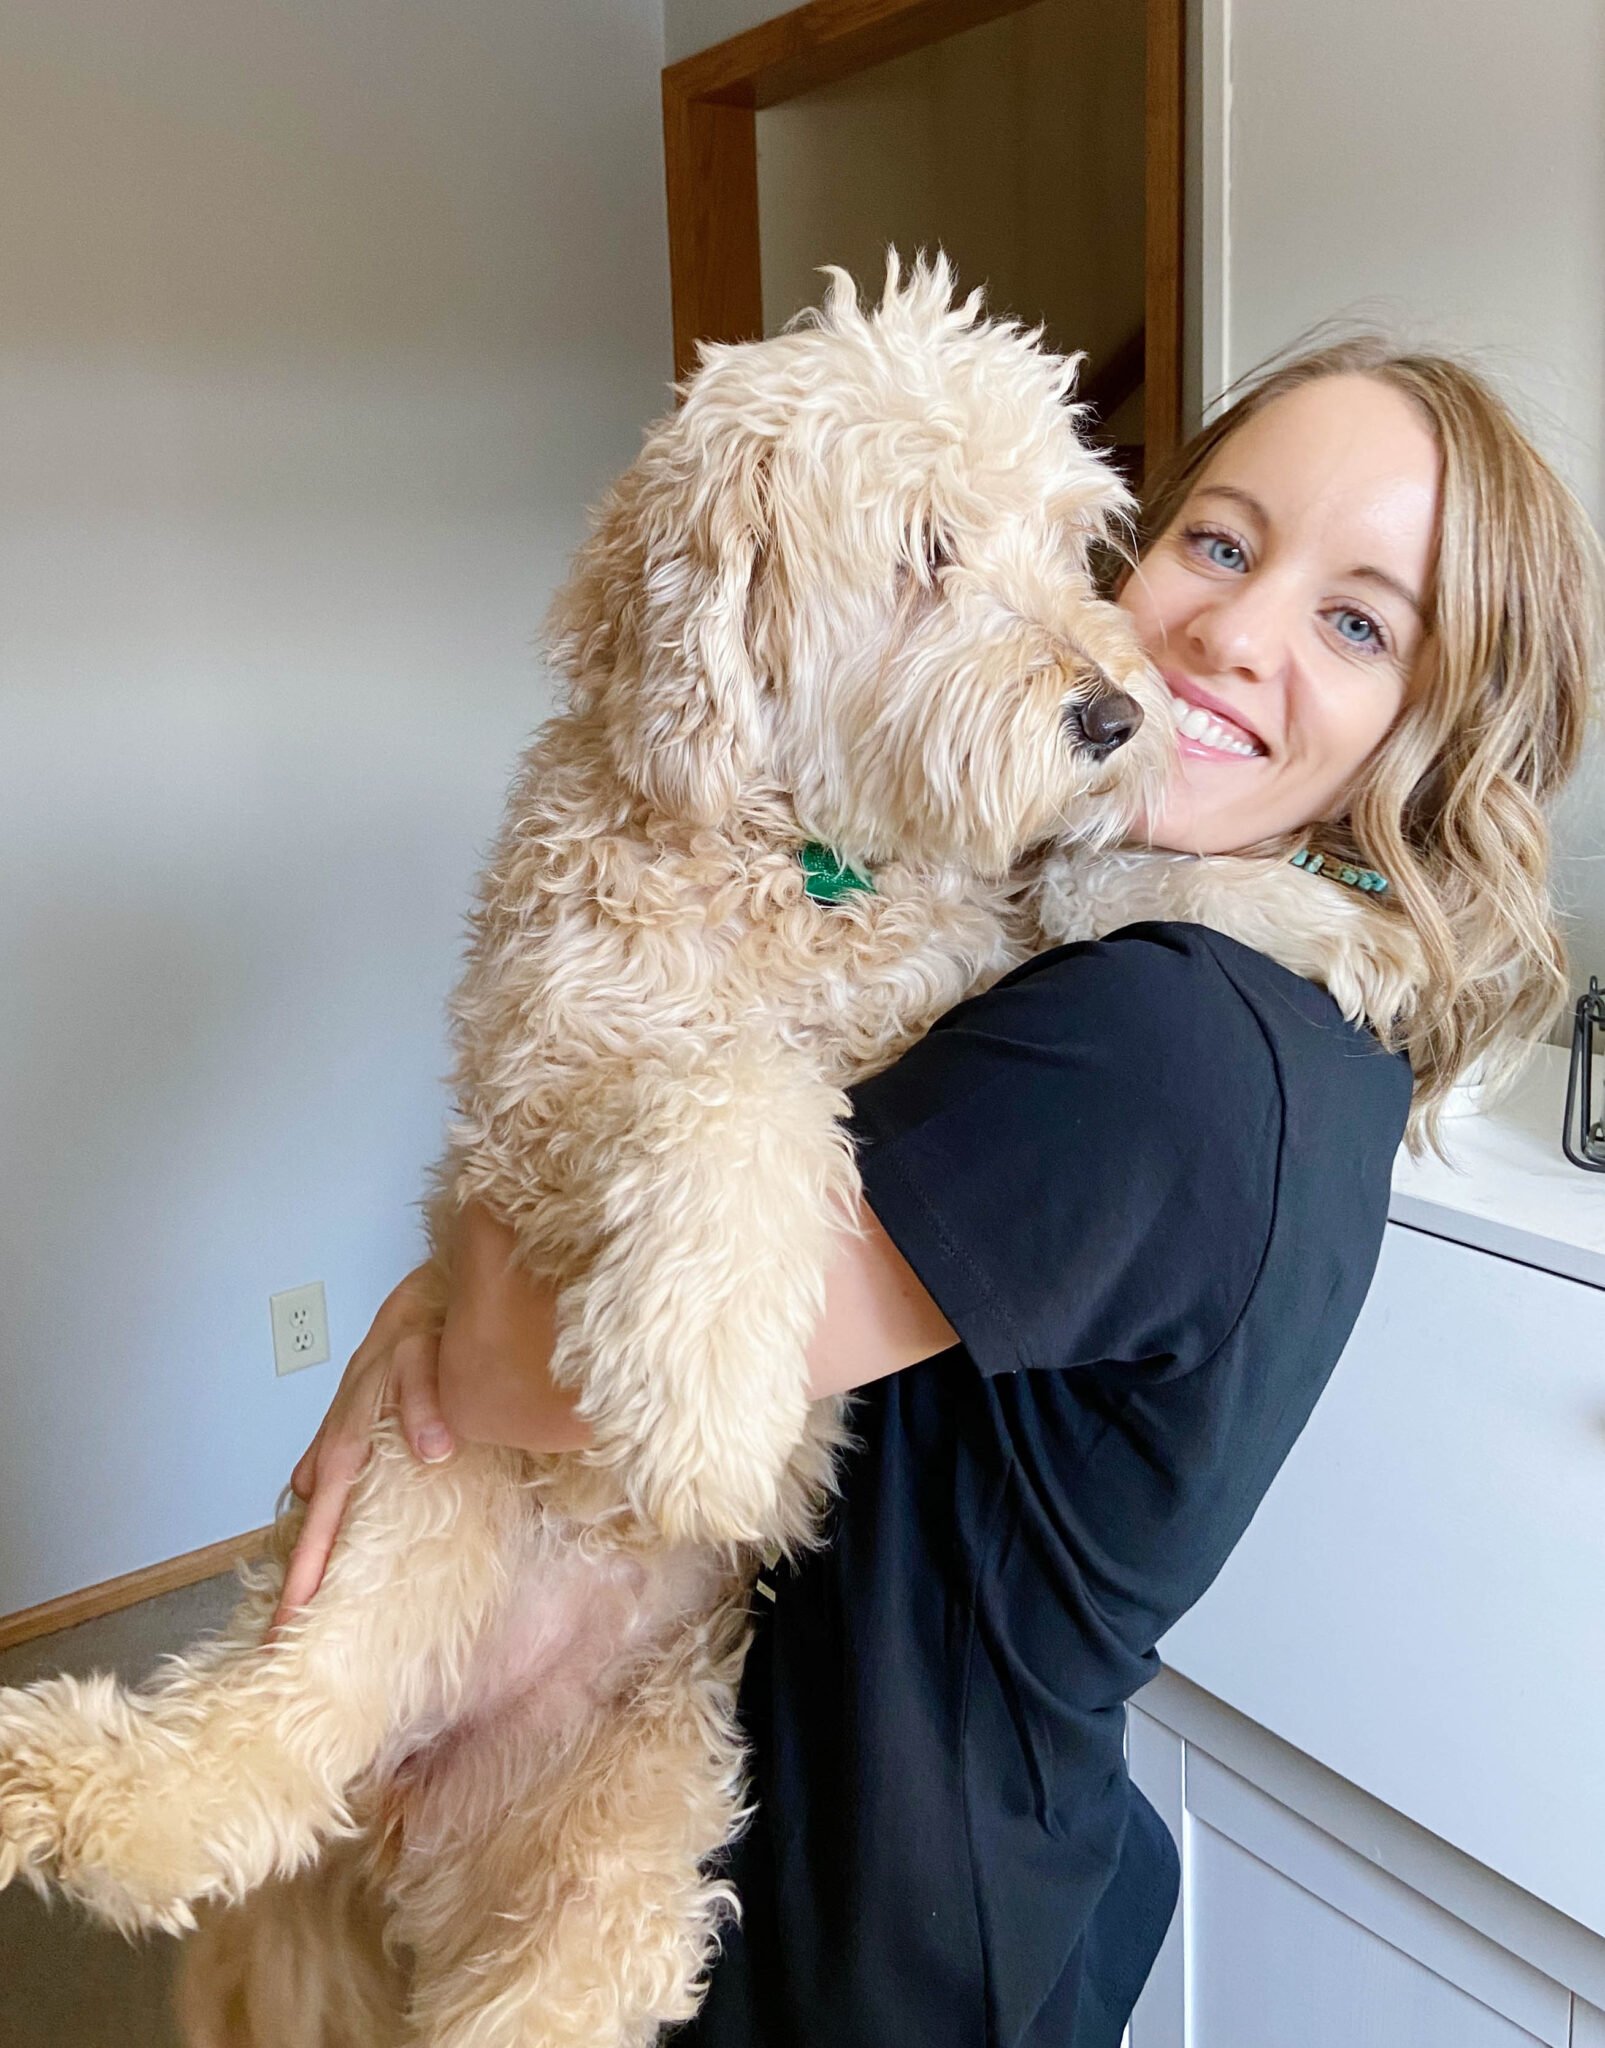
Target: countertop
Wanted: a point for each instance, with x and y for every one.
(1509, 1188)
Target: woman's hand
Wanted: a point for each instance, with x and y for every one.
(486, 1376)
(482, 1378)
(397, 1365)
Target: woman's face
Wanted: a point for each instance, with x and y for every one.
(1284, 607)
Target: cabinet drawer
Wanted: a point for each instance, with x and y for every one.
(1286, 1935)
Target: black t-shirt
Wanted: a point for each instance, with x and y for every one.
(1145, 1179)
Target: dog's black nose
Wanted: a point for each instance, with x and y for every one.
(1105, 721)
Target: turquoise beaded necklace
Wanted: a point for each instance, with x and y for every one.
(1336, 870)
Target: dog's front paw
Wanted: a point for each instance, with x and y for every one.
(690, 1494)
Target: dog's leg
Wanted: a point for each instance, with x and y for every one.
(589, 1919)
(302, 1964)
(686, 1336)
(234, 1763)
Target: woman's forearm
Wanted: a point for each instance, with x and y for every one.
(877, 1319)
(496, 1347)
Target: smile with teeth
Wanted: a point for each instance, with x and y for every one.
(1195, 723)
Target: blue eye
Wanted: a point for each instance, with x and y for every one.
(1368, 635)
(1219, 550)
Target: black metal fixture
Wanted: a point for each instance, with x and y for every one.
(1584, 1136)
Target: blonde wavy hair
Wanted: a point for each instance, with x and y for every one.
(1452, 806)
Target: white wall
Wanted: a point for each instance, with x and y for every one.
(320, 325)
(1441, 169)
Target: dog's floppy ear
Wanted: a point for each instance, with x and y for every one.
(655, 625)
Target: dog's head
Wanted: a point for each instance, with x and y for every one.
(852, 570)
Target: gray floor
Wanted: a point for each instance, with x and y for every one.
(65, 1983)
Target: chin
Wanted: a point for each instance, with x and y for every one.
(1170, 835)
(1178, 828)
(1184, 824)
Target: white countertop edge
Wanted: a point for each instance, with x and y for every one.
(1507, 1187)
(1505, 1240)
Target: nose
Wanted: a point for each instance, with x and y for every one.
(1105, 721)
(1243, 632)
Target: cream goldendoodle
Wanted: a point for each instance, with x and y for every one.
(837, 615)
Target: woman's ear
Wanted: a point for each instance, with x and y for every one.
(655, 622)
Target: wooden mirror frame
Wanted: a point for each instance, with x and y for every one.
(710, 143)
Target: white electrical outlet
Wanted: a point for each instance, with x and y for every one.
(300, 1327)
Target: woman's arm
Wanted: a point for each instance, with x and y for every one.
(497, 1343)
(484, 1377)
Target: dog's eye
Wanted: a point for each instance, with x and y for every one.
(938, 555)
(925, 554)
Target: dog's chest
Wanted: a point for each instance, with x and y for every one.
(599, 1015)
(853, 981)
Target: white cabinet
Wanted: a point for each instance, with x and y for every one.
(1588, 2026)
(1276, 1963)
(1289, 1936)
(1420, 1602)
(1380, 1737)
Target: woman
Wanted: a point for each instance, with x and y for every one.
(1120, 1214)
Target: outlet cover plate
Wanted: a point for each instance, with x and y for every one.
(300, 1327)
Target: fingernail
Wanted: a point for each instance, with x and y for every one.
(434, 1443)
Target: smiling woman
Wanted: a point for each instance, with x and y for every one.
(1379, 608)
(1286, 606)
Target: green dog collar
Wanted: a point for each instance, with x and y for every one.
(826, 878)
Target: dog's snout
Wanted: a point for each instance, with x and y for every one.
(1106, 721)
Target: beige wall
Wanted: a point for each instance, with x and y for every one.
(319, 327)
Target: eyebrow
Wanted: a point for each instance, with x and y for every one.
(1252, 505)
(1392, 583)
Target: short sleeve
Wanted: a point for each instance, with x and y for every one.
(1081, 1163)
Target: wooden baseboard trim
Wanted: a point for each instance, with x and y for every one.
(68, 1609)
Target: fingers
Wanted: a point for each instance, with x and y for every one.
(310, 1557)
(415, 1373)
(339, 1469)
(304, 1477)
(329, 1468)
(406, 1376)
